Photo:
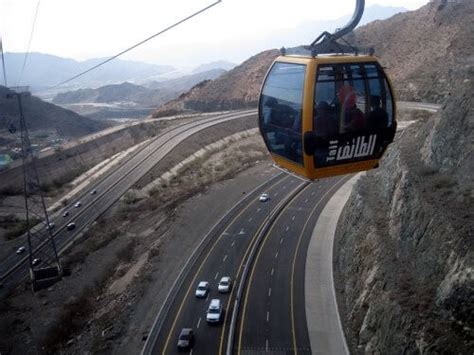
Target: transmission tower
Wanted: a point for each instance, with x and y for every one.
(45, 266)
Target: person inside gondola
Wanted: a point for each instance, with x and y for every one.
(352, 117)
(378, 117)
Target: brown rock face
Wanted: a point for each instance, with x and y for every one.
(423, 49)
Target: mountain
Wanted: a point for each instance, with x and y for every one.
(41, 115)
(186, 82)
(420, 49)
(45, 70)
(125, 92)
(235, 89)
(218, 65)
(423, 49)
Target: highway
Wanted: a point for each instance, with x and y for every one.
(109, 189)
(272, 311)
(273, 314)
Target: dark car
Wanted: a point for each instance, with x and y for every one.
(186, 338)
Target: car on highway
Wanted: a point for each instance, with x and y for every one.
(202, 289)
(21, 250)
(264, 197)
(93, 192)
(78, 204)
(224, 284)
(214, 312)
(36, 261)
(50, 225)
(66, 213)
(70, 226)
(185, 339)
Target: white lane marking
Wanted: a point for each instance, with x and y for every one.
(276, 255)
(273, 271)
(276, 194)
(300, 208)
(250, 219)
(217, 274)
(266, 345)
(281, 241)
(232, 243)
(287, 229)
(208, 294)
(312, 193)
(258, 209)
(293, 218)
(305, 200)
(268, 316)
(191, 352)
(199, 322)
(269, 292)
(225, 257)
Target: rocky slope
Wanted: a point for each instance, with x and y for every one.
(420, 49)
(404, 255)
(41, 115)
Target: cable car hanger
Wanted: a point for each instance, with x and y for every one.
(329, 110)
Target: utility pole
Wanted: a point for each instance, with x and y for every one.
(45, 266)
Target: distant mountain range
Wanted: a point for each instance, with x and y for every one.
(45, 70)
(127, 99)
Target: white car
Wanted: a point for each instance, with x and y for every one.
(93, 192)
(202, 289)
(264, 197)
(66, 213)
(224, 284)
(50, 226)
(214, 312)
(78, 204)
(70, 226)
(36, 261)
(20, 250)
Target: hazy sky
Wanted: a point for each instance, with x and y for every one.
(82, 29)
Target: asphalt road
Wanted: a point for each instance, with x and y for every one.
(273, 317)
(272, 314)
(109, 189)
(228, 244)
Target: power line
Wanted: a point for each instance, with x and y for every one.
(3, 63)
(29, 43)
(136, 45)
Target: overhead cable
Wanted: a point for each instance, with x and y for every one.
(29, 44)
(136, 45)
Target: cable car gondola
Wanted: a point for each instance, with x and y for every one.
(328, 114)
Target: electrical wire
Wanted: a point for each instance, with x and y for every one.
(136, 45)
(3, 63)
(29, 44)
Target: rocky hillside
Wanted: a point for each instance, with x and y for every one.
(404, 253)
(420, 49)
(41, 115)
(238, 88)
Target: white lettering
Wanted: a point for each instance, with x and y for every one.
(356, 149)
